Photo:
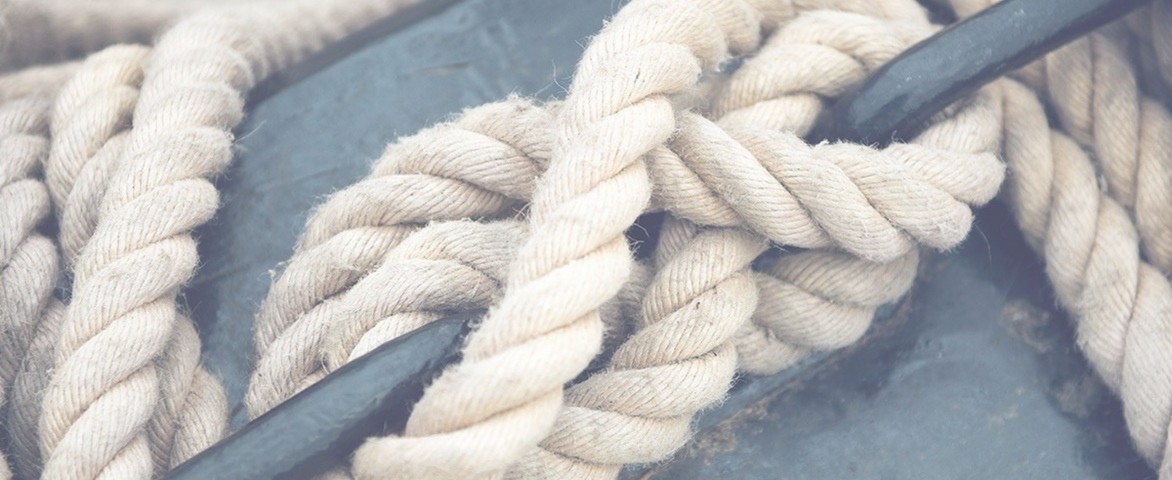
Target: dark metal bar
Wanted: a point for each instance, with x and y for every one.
(323, 424)
(896, 100)
(374, 394)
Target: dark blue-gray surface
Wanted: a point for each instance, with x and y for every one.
(972, 377)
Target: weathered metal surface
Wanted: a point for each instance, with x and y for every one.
(973, 376)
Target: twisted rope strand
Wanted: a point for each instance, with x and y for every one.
(1092, 85)
(679, 360)
(778, 337)
(28, 259)
(446, 267)
(1122, 306)
(103, 393)
(481, 165)
(28, 392)
(90, 120)
(84, 155)
(478, 417)
(639, 410)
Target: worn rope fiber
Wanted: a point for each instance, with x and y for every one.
(125, 394)
(1122, 305)
(139, 254)
(28, 259)
(192, 405)
(904, 272)
(502, 398)
(1091, 246)
(346, 238)
(385, 451)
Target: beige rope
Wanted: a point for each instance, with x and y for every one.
(28, 390)
(193, 409)
(447, 267)
(83, 157)
(28, 259)
(103, 394)
(1121, 303)
(90, 120)
(1092, 85)
(1122, 306)
(411, 322)
(47, 31)
(481, 165)
(35, 81)
(315, 271)
(126, 388)
(478, 417)
(683, 358)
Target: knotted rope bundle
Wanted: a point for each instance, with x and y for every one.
(986, 181)
(111, 385)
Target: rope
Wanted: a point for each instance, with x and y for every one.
(49, 31)
(376, 288)
(1122, 306)
(482, 165)
(103, 398)
(1093, 88)
(28, 259)
(111, 383)
(486, 411)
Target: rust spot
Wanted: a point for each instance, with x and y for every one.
(1027, 322)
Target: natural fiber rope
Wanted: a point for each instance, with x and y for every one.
(482, 165)
(477, 417)
(85, 154)
(1092, 85)
(28, 259)
(90, 120)
(683, 358)
(48, 31)
(593, 190)
(1122, 306)
(322, 267)
(28, 391)
(103, 396)
(375, 207)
